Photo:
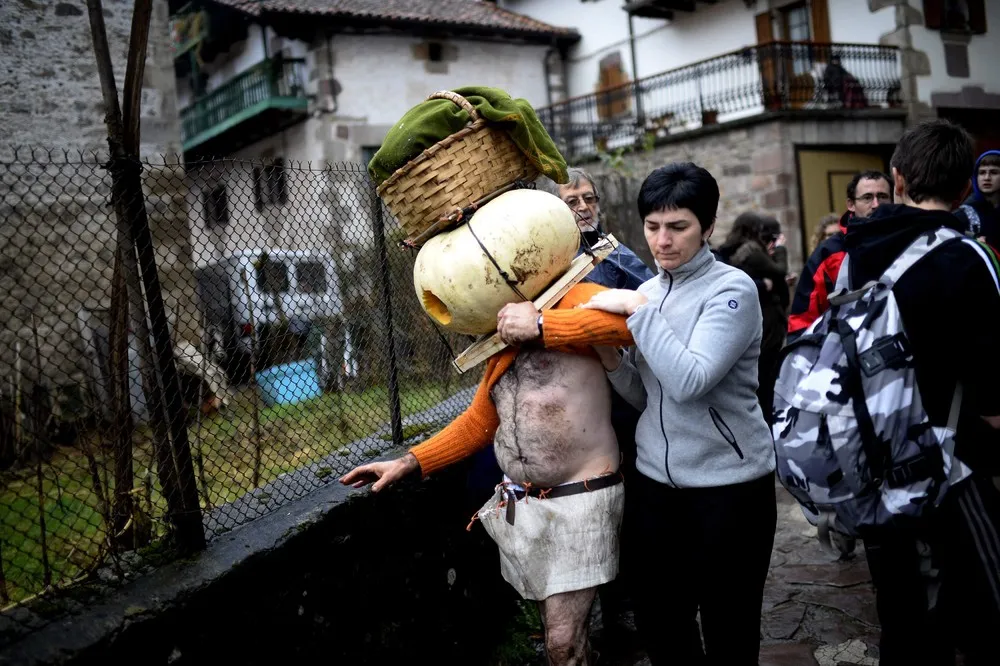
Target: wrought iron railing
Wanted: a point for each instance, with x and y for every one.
(273, 82)
(778, 76)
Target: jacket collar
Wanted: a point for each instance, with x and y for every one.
(698, 265)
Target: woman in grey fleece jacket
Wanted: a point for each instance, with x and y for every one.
(705, 490)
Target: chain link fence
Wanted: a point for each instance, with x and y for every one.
(277, 344)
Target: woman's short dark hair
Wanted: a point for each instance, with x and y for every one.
(935, 159)
(680, 185)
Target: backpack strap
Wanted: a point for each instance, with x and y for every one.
(915, 252)
(852, 384)
(956, 408)
(842, 292)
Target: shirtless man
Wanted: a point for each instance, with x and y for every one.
(556, 516)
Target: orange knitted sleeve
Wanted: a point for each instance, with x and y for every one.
(567, 325)
(472, 430)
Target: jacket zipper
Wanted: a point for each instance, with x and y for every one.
(725, 430)
(663, 429)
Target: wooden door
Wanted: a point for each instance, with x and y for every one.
(823, 179)
(791, 40)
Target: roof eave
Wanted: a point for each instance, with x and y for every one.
(353, 23)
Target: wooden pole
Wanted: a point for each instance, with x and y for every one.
(187, 521)
(123, 509)
(39, 454)
(164, 400)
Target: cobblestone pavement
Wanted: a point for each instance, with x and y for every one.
(817, 611)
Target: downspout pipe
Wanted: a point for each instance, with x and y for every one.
(636, 89)
(329, 67)
(548, 75)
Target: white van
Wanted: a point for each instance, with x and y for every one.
(247, 292)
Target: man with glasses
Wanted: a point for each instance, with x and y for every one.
(865, 193)
(622, 269)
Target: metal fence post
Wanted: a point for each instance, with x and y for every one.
(395, 413)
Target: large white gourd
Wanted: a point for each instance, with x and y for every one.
(532, 235)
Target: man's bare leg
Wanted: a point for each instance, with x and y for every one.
(565, 618)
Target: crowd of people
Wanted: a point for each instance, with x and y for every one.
(666, 381)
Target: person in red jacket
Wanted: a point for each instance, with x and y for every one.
(866, 191)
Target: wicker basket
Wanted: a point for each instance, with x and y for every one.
(460, 169)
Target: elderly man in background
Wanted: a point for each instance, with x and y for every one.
(622, 269)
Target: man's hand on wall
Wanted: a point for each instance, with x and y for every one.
(384, 474)
(518, 322)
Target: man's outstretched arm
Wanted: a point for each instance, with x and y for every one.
(472, 430)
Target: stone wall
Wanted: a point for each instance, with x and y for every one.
(57, 256)
(51, 91)
(57, 238)
(392, 578)
(753, 162)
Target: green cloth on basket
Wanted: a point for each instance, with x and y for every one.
(433, 120)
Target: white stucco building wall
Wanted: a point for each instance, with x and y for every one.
(710, 31)
(382, 79)
(294, 226)
(852, 22)
(984, 54)
(660, 45)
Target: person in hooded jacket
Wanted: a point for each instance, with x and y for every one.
(981, 211)
(948, 302)
(754, 246)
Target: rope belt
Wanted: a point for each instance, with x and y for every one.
(587, 485)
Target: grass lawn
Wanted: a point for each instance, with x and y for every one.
(226, 455)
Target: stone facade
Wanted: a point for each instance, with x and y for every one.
(913, 63)
(56, 243)
(51, 91)
(755, 165)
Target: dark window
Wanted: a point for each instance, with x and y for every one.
(435, 52)
(216, 206)
(961, 16)
(796, 23)
(272, 276)
(270, 184)
(310, 277)
(796, 26)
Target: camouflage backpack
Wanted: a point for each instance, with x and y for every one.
(854, 445)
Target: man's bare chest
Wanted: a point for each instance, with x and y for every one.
(534, 372)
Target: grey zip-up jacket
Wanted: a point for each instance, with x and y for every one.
(693, 372)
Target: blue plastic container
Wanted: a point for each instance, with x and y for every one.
(289, 383)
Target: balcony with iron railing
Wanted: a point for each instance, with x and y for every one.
(763, 79)
(260, 101)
